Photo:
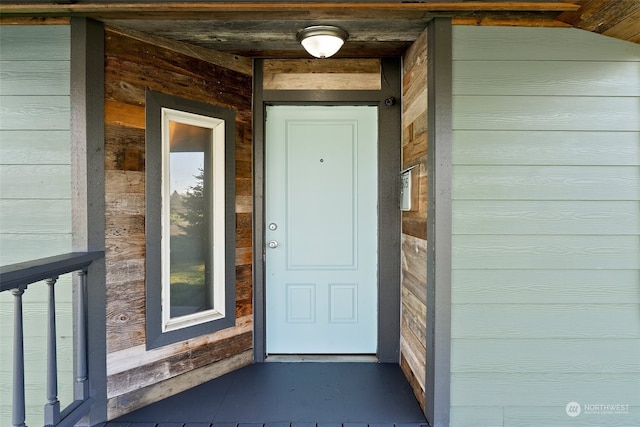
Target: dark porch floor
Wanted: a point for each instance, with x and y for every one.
(284, 394)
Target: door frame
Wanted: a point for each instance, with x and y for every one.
(389, 215)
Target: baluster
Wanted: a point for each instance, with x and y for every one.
(52, 408)
(81, 385)
(18, 416)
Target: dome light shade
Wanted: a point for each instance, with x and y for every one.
(322, 41)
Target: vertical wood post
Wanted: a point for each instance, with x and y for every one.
(439, 143)
(258, 278)
(52, 407)
(18, 410)
(81, 385)
(88, 212)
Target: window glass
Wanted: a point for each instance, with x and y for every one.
(190, 285)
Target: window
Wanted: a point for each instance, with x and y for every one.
(190, 227)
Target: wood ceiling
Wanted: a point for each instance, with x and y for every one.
(377, 29)
(614, 18)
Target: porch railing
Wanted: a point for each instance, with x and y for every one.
(16, 278)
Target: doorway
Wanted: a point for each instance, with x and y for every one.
(321, 229)
(388, 152)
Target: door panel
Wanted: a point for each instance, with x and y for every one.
(321, 210)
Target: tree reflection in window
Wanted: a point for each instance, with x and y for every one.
(190, 233)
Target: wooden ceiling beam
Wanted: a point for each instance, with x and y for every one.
(22, 20)
(233, 62)
(506, 22)
(106, 9)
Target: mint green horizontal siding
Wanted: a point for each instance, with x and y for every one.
(532, 147)
(536, 44)
(547, 78)
(545, 322)
(556, 252)
(35, 181)
(527, 355)
(527, 416)
(529, 286)
(35, 216)
(546, 227)
(545, 113)
(35, 199)
(35, 43)
(46, 147)
(34, 77)
(477, 416)
(34, 113)
(544, 389)
(35, 155)
(555, 416)
(23, 247)
(546, 182)
(546, 217)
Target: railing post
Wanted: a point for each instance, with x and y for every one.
(18, 416)
(15, 278)
(81, 384)
(52, 407)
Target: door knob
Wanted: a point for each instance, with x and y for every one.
(273, 244)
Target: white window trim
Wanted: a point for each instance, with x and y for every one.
(217, 168)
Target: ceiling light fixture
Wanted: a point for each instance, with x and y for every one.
(322, 41)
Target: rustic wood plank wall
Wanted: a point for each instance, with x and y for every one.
(414, 223)
(328, 74)
(546, 226)
(613, 18)
(137, 377)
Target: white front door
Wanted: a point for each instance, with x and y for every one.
(321, 229)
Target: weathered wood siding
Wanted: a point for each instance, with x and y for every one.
(35, 198)
(413, 324)
(546, 227)
(137, 377)
(328, 74)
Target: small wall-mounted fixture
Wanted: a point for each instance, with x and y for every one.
(410, 189)
(322, 41)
